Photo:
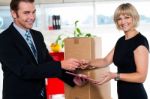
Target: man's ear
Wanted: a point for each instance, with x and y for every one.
(14, 14)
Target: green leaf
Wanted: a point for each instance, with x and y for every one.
(62, 44)
(88, 35)
(78, 30)
(76, 23)
(58, 38)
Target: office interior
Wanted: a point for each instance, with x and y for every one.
(94, 16)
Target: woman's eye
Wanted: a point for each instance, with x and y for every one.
(127, 17)
(119, 19)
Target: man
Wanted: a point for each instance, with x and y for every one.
(25, 59)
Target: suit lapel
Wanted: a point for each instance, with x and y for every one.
(37, 43)
(19, 40)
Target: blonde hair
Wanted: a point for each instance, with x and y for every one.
(126, 9)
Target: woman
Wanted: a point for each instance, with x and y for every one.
(130, 55)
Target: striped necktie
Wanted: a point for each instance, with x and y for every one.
(28, 38)
(34, 51)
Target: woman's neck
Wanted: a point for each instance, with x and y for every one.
(131, 34)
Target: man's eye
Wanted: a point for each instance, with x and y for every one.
(34, 12)
(26, 12)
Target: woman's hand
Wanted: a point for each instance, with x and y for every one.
(106, 77)
(85, 64)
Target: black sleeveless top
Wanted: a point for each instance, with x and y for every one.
(124, 60)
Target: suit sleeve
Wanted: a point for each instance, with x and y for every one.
(67, 78)
(64, 77)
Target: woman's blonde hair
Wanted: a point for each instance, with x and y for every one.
(126, 9)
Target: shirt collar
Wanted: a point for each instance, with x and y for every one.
(20, 30)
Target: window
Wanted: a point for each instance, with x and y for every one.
(5, 17)
(105, 10)
(69, 14)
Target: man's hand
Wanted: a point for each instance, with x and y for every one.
(80, 81)
(70, 64)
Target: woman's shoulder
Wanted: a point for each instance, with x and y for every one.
(142, 37)
(121, 39)
(141, 40)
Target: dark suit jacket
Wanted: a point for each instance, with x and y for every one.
(23, 76)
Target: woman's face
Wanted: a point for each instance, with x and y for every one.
(125, 23)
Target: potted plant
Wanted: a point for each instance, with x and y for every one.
(59, 42)
(78, 33)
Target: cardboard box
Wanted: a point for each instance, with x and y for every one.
(86, 48)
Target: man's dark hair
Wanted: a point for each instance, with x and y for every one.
(14, 4)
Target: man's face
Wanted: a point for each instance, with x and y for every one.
(25, 16)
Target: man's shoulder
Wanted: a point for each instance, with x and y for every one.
(36, 32)
(4, 37)
(6, 31)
